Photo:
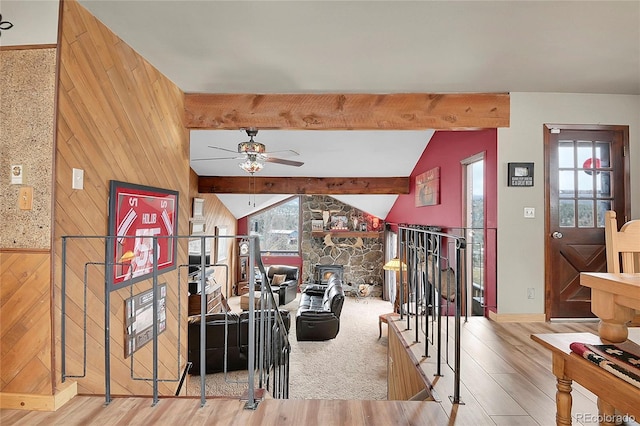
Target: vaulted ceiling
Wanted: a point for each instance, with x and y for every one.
(375, 47)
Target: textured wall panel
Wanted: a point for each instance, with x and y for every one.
(27, 85)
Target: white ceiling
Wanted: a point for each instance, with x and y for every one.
(369, 47)
(328, 153)
(384, 46)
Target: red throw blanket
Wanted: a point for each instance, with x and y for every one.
(621, 360)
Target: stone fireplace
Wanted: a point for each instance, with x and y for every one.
(360, 263)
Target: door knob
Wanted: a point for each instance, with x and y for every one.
(557, 235)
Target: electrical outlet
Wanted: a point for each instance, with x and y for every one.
(529, 212)
(531, 293)
(77, 181)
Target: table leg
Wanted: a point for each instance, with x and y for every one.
(613, 317)
(606, 413)
(563, 402)
(614, 332)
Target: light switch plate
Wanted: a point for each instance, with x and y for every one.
(25, 198)
(529, 212)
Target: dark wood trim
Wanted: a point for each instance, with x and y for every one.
(347, 234)
(347, 111)
(54, 170)
(24, 250)
(28, 47)
(302, 185)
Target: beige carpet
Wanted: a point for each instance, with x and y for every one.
(351, 366)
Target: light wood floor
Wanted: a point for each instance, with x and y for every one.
(506, 377)
(506, 380)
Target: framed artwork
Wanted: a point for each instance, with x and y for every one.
(520, 174)
(138, 213)
(195, 246)
(198, 208)
(198, 227)
(339, 223)
(428, 188)
(222, 244)
(139, 318)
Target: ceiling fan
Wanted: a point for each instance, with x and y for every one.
(254, 154)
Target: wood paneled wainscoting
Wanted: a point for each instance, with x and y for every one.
(26, 354)
(404, 379)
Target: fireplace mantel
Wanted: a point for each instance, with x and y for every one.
(347, 234)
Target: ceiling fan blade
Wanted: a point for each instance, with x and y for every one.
(218, 158)
(283, 161)
(223, 149)
(286, 152)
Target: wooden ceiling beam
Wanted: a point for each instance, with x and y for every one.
(402, 111)
(303, 185)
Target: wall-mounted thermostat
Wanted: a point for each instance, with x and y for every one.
(16, 174)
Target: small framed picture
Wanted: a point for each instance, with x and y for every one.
(198, 208)
(520, 174)
(198, 227)
(317, 225)
(339, 222)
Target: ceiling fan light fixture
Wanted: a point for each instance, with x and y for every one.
(251, 166)
(251, 147)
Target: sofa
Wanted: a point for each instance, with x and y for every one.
(237, 340)
(284, 281)
(318, 316)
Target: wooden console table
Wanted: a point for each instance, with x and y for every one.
(568, 367)
(614, 299)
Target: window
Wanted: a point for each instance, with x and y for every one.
(278, 228)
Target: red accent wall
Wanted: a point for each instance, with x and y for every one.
(445, 150)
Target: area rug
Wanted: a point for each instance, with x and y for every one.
(614, 359)
(353, 366)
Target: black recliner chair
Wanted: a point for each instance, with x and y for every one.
(318, 317)
(287, 289)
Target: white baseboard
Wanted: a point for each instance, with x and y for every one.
(517, 317)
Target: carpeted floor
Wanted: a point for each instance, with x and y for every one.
(351, 366)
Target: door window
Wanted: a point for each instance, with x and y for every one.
(584, 183)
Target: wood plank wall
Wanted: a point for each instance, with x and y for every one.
(25, 322)
(217, 214)
(403, 378)
(118, 118)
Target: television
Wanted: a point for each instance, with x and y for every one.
(195, 260)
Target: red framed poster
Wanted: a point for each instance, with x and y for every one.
(137, 214)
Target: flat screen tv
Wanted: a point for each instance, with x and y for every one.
(195, 260)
